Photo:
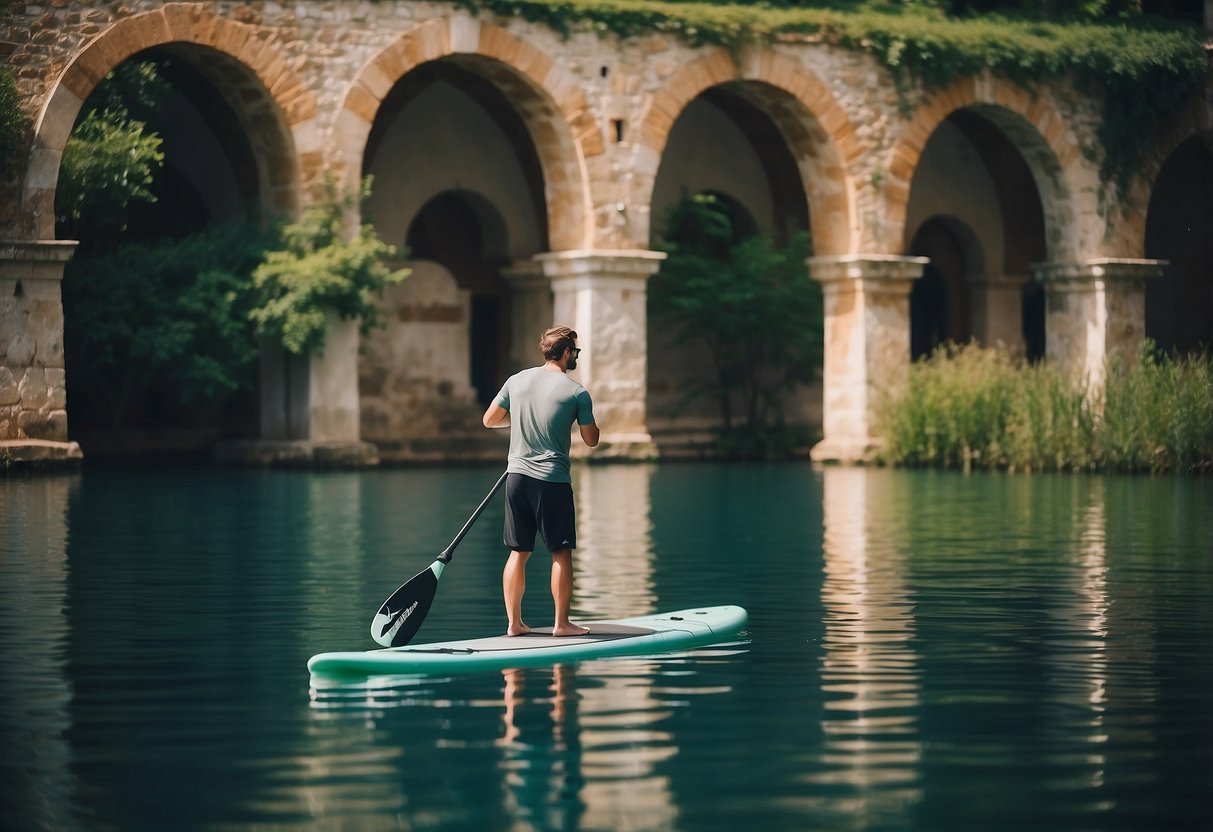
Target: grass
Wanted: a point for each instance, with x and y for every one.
(972, 407)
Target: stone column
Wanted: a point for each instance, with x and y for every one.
(602, 295)
(530, 311)
(867, 345)
(310, 409)
(1093, 309)
(33, 385)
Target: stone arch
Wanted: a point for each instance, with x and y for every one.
(1191, 123)
(279, 112)
(1049, 146)
(561, 122)
(820, 134)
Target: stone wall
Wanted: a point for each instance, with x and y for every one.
(308, 81)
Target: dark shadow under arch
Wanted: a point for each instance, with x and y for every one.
(1179, 230)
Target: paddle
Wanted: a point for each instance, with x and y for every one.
(400, 617)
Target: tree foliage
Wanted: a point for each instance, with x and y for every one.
(110, 160)
(316, 270)
(751, 304)
(164, 322)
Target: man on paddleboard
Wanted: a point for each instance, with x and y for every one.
(540, 405)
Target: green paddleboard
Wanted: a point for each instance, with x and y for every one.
(642, 635)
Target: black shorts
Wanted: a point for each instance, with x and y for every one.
(532, 505)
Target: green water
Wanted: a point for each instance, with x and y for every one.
(925, 651)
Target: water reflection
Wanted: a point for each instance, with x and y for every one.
(583, 746)
(949, 652)
(869, 670)
(614, 558)
(38, 789)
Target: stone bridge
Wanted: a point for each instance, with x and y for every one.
(528, 173)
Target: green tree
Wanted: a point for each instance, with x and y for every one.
(162, 326)
(750, 303)
(316, 270)
(110, 160)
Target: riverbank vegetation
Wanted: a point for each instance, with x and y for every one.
(1143, 68)
(972, 407)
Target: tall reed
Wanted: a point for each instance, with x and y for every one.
(968, 406)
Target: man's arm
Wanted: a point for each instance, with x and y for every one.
(496, 417)
(590, 434)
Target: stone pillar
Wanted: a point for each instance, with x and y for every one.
(867, 345)
(530, 311)
(333, 414)
(602, 295)
(310, 410)
(33, 385)
(1093, 309)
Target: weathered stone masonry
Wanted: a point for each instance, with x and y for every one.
(310, 80)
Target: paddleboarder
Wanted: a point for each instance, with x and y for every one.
(540, 405)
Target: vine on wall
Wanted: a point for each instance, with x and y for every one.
(1145, 68)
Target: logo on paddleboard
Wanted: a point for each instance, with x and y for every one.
(396, 619)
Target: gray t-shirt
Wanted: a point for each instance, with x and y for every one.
(543, 406)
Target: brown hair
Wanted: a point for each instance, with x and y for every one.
(555, 341)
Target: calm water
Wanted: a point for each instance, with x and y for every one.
(925, 651)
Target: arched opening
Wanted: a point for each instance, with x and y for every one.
(457, 178)
(1179, 229)
(465, 234)
(160, 356)
(939, 301)
(728, 144)
(974, 167)
(724, 143)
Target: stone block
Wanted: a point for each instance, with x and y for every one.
(21, 350)
(10, 392)
(33, 389)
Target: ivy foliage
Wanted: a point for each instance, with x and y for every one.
(316, 269)
(750, 303)
(1145, 67)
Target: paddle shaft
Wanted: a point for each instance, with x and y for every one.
(449, 551)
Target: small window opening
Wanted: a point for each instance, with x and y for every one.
(603, 71)
(18, 290)
(617, 127)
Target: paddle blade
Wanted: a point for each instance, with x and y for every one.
(400, 617)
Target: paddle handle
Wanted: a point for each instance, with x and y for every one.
(449, 551)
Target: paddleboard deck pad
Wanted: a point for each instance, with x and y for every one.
(642, 635)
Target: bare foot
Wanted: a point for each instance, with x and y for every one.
(569, 630)
(520, 630)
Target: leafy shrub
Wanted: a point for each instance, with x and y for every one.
(165, 321)
(974, 407)
(316, 270)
